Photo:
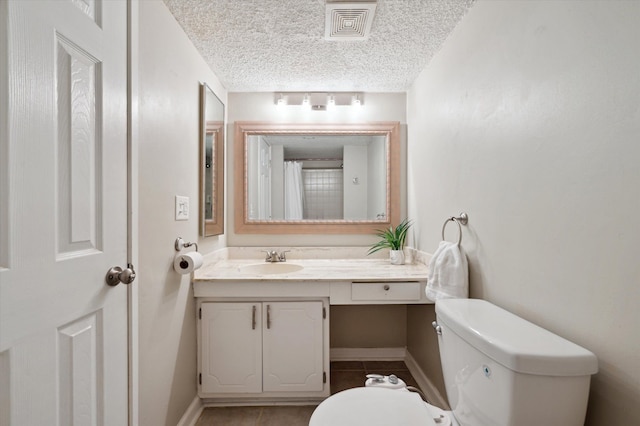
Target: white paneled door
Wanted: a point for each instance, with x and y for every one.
(63, 212)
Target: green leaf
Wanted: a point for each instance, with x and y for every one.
(392, 238)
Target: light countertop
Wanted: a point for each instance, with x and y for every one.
(313, 270)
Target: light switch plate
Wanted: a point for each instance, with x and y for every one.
(182, 208)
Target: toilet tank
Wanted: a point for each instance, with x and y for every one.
(501, 370)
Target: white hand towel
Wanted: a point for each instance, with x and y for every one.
(448, 273)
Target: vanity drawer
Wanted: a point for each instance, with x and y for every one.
(404, 290)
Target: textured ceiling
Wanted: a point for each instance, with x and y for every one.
(279, 45)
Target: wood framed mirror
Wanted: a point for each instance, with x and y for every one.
(316, 178)
(211, 163)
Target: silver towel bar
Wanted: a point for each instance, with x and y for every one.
(463, 219)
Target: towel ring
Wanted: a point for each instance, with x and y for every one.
(463, 219)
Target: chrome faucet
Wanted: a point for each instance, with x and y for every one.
(273, 256)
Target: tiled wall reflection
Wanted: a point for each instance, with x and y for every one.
(323, 193)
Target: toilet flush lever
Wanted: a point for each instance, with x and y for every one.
(437, 328)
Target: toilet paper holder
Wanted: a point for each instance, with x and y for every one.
(186, 263)
(181, 244)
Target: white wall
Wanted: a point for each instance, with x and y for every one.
(260, 107)
(528, 119)
(170, 72)
(355, 182)
(377, 176)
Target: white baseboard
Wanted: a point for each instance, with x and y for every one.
(431, 392)
(367, 354)
(191, 416)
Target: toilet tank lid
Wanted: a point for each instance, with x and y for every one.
(513, 341)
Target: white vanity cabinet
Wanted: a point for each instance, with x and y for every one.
(263, 336)
(230, 347)
(292, 345)
(263, 348)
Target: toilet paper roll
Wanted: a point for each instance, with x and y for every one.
(186, 263)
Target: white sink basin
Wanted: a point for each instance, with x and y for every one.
(271, 268)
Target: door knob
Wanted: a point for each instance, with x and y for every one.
(117, 275)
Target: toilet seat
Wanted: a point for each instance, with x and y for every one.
(372, 406)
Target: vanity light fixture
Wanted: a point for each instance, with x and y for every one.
(319, 101)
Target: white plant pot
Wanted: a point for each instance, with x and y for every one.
(396, 257)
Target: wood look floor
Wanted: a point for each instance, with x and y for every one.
(344, 375)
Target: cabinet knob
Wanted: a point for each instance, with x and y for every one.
(386, 287)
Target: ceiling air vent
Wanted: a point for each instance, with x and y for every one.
(348, 21)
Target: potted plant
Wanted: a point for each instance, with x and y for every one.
(393, 239)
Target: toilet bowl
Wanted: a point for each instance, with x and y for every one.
(498, 369)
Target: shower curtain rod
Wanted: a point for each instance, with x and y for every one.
(313, 159)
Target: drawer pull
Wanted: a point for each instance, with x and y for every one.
(253, 318)
(268, 316)
(386, 287)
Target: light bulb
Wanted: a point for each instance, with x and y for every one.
(331, 101)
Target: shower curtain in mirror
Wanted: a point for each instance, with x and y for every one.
(293, 190)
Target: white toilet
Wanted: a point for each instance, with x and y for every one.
(499, 370)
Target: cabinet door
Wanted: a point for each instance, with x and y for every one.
(231, 347)
(292, 346)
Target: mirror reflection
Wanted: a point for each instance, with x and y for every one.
(212, 163)
(305, 178)
(316, 177)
